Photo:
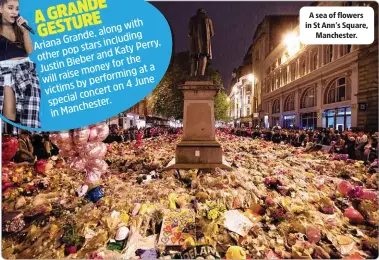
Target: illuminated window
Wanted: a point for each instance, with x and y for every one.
(337, 91)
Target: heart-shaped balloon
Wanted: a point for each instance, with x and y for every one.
(81, 135)
(9, 148)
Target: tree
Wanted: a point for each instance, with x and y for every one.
(167, 100)
(221, 106)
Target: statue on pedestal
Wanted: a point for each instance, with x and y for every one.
(200, 31)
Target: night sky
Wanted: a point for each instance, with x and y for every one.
(234, 24)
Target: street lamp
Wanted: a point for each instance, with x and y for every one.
(292, 42)
(251, 78)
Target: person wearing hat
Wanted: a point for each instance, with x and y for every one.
(25, 151)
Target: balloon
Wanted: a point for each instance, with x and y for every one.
(9, 148)
(67, 146)
(93, 134)
(96, 150)
(65, 137)
(344, 187)
(102, 131)
(54, 138)
(81, 135)
(78, 164)
(97, 165)
(354, 216)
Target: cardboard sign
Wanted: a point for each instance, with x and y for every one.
(178, 225)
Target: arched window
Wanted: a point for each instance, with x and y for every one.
(276, 107)
(314, 60)
(329, 54)
(289, 103)
(308, 98)
(337, 91)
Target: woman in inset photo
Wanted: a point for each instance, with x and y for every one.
(20, 93)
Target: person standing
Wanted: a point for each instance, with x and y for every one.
(25, 151)
(20, 93)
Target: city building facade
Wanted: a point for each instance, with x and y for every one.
(311, 86)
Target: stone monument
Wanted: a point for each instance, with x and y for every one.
(199, 148)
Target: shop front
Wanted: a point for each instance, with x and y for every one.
(275, 121)
(337, 118)
(289, 121)
(309, 120)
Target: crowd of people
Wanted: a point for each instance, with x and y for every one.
(358, 145)
(133, 133)
(33, 147)
(37, 146)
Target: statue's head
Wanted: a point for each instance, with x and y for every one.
(201, 11)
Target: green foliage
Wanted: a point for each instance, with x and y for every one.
(222, 106)
(167, 99)
(70, 237)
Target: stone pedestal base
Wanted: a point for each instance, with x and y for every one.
(198, 152)
(199, 148)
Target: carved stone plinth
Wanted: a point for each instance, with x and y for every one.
(199, 148)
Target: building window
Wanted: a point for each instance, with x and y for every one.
(284, 77)
(248, 99)
(309, 98)
(338, 118)
(309, 120)
(337, 91)
(314, 61)
(278, 81)
(289, 121)
(289, 103)
(329, 54)
(275, 121)
(345, 49)
(248, 111)
(293, 71)
(276, 107)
